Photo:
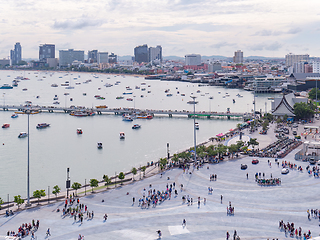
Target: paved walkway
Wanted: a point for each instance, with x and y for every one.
(257, 209)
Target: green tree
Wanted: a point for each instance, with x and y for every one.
(163, 162)
(94, 183)
(121, 176)
(134, 172)
(265, 125)
(233, 148)
(18, 200)
(312, 93)
(175, 158)
(107, 180)
(56, 190)
(1, 202)
(240, 144)
(268, 116)
(143, 169)
(303, 110)
(253, 142)
(221, 149)
(39, 193)
(76, 186)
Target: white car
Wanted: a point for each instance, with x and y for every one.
(285, 171)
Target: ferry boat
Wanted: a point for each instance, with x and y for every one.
(99, 145)
(136, 126)
(196, 126)
(79, 131)
(122, 136)
(6, 86)
(14, 115)
(22, 135)
(42, 125)
(5, 125)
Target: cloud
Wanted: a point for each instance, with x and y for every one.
(222, 44)
(294, 30)
(273, 46)
(3, 21)
(256, 47)
(77, 24)
(263, 46)
(266, 32)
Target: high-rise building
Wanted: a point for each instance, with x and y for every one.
(238, 57)
(47, 51)
(15, 55)
(155, 54)
(103, 57)
(93, 56)
(66, 57)
(112, 58)
(291, 59)
(316, 67)
(141, 53)
(193, 59)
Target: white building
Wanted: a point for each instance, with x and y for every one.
(66, 57)
(238, 57)
(193, 59)
(103, 57)
(298, 67)
(316, 67)
(155, 54)
(291, 59)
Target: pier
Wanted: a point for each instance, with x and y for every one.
(121, 111)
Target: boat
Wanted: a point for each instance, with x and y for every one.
(64, 84)
(14, 115)
(284, 171)
(6, 86)
(122, 136)
(136, 126)
(56, 102)
(129, 99)
(167, 90)
(5, 125)
(196, 126)
(182, 94)
(119, 97)
(15, 84)
(137, 87)
(141, 96)
(125, 93)
(102, 106)
(25, 89)
(108, 85)
(145, 116)
(169, 95)
(56, 98)
(66, 93)
(42, 125)
(99, 145)
(210, 97)
(127, 118)
(234, 101)
(192, 102)
(270, 98)
(54, 85)
(84, 94)
(22, 135)
(244, 166)
(69, 87)
(79, 131)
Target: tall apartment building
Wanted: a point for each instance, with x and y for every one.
(66, 57)
(299, 67)
(291, 59)
(316, 67)
(238, 57)
(93, 56)
(47, 51)
(103, 57)
(112, 58)
(193, 59)
(155, 54)
(141, 53)
(15, 55)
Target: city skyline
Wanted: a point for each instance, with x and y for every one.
(264, 28)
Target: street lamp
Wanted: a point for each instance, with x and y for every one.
(28, 168)
(194, 126)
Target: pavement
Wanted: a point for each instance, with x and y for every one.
(258, 209)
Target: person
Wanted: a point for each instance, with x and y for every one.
(79, 237)
(133, 199)
(247, 175)
(228, 235)
(234, 235)
(48, 232)
(184, 222)
(159, 233)
(221, 198)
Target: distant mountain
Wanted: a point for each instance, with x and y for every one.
(124, 58)
(261, 57)
(175, 58)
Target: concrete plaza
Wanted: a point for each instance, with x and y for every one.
(258, 209)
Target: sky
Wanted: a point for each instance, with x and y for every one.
(270, 28)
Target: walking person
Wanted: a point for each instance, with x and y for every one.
(48, 232)
(159, 233)
(184, 223)
(221, 197)
(228, 235)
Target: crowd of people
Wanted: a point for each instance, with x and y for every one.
(290, 229)
(25, 229)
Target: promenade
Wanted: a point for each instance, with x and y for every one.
(258, 209)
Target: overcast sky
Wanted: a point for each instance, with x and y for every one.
(270, 28)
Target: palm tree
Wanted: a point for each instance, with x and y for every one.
(134, 172)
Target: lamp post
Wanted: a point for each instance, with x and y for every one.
(194, 127)
(28, 168)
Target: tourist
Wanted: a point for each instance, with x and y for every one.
(228, 235)
(48, 232)
(184, 223)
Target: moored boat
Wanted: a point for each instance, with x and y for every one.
(79, 131)
(14, 115)
(122, 136)
(127, 118)
(5, 125)
(6, 86)
(22, 135)
(196, 126)
(136, 126)
(42, 125)
(99, 145)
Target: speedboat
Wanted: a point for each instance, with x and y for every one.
(14, 115)
(22, 135)
(54, 85)
(119, 97)
(43, 125)
(122, 136)
(99, 145)
(196, 126)
(244, 166)
(284, 171)
(79, 131)
(129, 99)
(56, 102)
(127, 118)
(6, 86)
(145, 116)
(136, 126)
(5, 125)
